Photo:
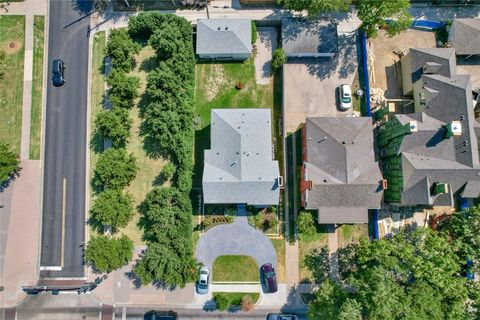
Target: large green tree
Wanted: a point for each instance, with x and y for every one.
(121, 49)
(123, 89)
(106, 254)
(9, 162)
(112, 208)
(313, 7)
(115, 169)
(416, 267)
(114, 125)
(374, 14)
(167, 226)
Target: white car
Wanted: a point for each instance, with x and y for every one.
(278, 316)
(202, 285)
(345, 97)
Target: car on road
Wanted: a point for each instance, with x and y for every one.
(269, 278)
(160, 315)
(58, 72)
(345, 97)
(278, 316)
(202, 284)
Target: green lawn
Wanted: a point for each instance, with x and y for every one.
(279, 245)
(305, 246)
(351, 233)
(37, 87)
(235, 268)
(235, 298)
(12, 53)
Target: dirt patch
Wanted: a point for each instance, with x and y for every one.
(12, 47)
(214, 81)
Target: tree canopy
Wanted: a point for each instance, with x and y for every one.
(412, 275)
(114, 125)
(9, 162)
(121, 49)
(374, 14)
(313, 7)
(278, 59)
(112, 208)
(123, 89)
(106, 254)
(115, 169)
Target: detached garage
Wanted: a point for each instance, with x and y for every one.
(224, 39)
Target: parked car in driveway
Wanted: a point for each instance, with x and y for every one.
(269, 278)
(58, 72)
(278, 316)
(345, 97)
(160, 315)
(202, 284)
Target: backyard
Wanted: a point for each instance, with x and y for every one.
(11, 87)
(37, 87)
(306, 244)
(235, 269)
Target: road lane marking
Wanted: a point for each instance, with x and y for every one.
(64, 204)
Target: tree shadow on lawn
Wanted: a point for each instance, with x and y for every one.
(202, 143)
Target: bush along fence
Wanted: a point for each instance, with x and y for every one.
(115, 169)
(167, 123)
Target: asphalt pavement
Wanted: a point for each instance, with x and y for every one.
(63, 222)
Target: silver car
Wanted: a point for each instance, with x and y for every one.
(278, 316)
(345, 97)
(202, 284)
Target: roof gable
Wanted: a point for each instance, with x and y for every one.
(224, 36)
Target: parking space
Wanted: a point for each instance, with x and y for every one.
(311, 85)
(384, 64)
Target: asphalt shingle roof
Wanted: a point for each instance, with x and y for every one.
(224, 36)
(239, 167)
(464, 36)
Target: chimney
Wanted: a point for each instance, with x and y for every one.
(453, 128)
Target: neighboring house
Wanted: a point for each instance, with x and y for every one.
(309, 38)
(431, 157)
(224, 39)
(239, 168)
(340, 177)
(464, 36)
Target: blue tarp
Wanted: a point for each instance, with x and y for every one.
(363, 39)
(428, 24)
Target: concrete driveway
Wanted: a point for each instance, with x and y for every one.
(237, 238)
(266, 43)
(310, 85)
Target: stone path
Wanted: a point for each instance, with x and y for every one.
(265, 45)
(332, 248)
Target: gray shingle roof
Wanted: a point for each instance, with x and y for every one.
(239, 167)
(306, 36)
(440, 60)
(464, 36)
(472, 190)
(341, 165)
(224, 36)
(342, 215)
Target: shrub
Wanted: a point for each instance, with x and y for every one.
(279, 59)
(114, 125)
(221, 301)
(106, 254)
(254, 32)
(123, 89)
(9, 162)
(168, 171)
(247, 303)
(121, 49)
(115, 169)
(306, 224)
(112, 208)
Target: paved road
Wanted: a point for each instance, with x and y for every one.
(65, 142)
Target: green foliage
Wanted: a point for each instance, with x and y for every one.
(254, 32)
(115, 169)
(144, 24)
(123, 89)
(318, 262)
(417, 267)
(374, 12)
(313, 7)
(166, 42)
(279, 59)
(221, 301)
(121, 49)
(114, 125)
(112, 208)
(306, 224)
(106, 254)
(167, 226)
(168, 171)
(9, 162)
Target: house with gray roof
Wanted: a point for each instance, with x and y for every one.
(224, 39)
(309, 38)
(239, 168)
(340, 177)
(464, 36)
(431, 157)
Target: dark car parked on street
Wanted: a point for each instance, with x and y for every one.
(160, 315)
(269, 278)
(58, 72)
